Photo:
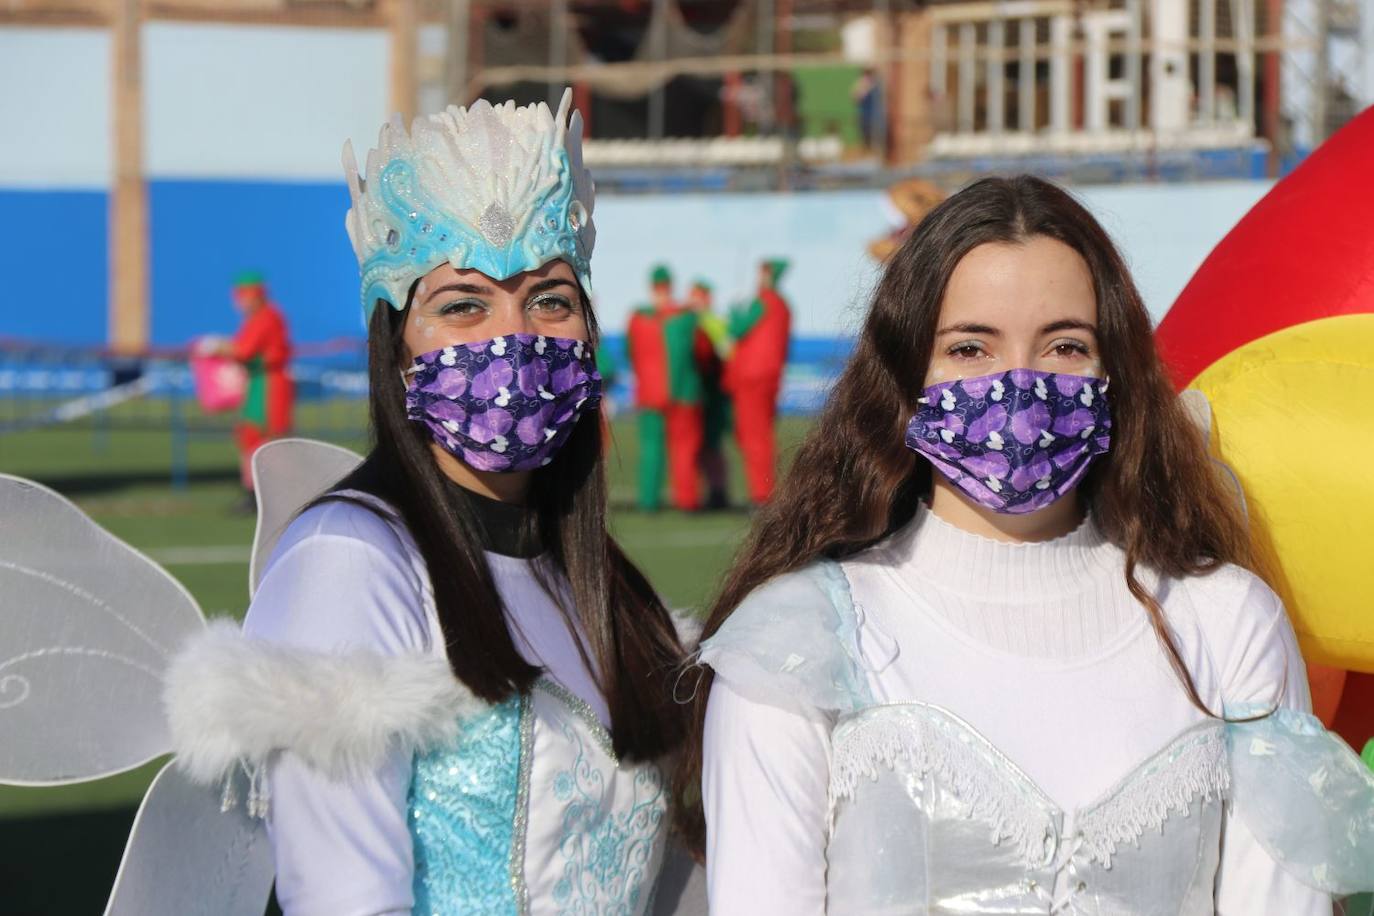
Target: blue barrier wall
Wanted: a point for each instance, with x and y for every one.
(53, 251)
(204, 232)
(53, 258)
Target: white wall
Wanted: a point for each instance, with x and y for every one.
(206, 90)
(219, 101)
(54, 107)
(1166, 231)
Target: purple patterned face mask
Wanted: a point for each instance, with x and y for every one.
(506, 404)
(1015, 441)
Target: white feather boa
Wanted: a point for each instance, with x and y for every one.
(232, 701)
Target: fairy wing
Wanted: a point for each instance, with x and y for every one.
(87, 628)
(187, 857)
(287, 474)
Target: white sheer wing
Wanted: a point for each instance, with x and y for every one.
(287, 474)
(87, 628)
(186, 857)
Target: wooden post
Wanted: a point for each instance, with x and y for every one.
(559, 24)
(456, 55)
(968, 77)
(1274, 8)
(1320, 113)
(1207, 61)
(996, 70)
(128, 215)
(884, 71)
(731, 122)
(765, 46)
(1243, 15)
(404, 21)
(582, 101)
(658, 52)
(1061, 28)
(1079, 73)
(783, 79)
(912, 115)
(1025, 76)
(1135, 56)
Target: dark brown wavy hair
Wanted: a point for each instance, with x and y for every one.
(1155, 494)
(633, 642)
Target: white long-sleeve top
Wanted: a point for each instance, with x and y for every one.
(1038, 647)
(342, 579)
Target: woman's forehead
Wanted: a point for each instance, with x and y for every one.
(1025, 283)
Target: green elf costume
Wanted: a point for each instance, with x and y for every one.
(667, 349)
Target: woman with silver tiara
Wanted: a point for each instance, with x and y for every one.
(499, 671)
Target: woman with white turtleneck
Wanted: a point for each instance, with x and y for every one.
(1028, 668)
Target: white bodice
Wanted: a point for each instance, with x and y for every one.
(868, 794)
(912, 784)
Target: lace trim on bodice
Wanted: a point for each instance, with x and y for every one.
(932, 742)
(1193, 766)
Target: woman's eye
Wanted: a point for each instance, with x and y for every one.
(462, 307)
(1069, 349)
(551, 304)
(966, 351)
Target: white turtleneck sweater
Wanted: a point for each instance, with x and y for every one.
(1043, 650)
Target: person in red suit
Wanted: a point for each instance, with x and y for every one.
(263, 345)
(753, 377)
(668, 350)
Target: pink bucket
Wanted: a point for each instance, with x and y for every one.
(220, 382)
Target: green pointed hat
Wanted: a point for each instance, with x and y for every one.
(660, 274)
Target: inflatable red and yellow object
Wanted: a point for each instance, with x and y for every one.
(1277, 329)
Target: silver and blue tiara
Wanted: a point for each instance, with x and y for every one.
(498, 189)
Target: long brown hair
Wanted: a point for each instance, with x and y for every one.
(633, 642)
(853, 480)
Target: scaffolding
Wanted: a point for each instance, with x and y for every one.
(961, 78)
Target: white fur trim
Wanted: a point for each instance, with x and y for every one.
(232, 701)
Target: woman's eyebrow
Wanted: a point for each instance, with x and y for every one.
(1069, 324)
(968, 327)
(461, 288)
(548, 284)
